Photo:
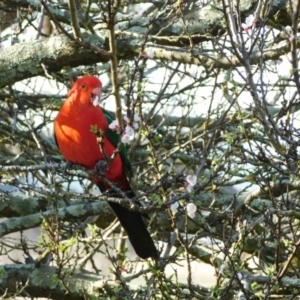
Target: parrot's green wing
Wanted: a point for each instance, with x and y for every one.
(114, 138)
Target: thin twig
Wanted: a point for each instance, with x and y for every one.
(112, 9)
(74, 19)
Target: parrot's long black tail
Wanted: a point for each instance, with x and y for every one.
(133, 223)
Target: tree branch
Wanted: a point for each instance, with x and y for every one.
(74, 19)
(24, 60)
(43, 282)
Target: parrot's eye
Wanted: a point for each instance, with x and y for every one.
(83, 86)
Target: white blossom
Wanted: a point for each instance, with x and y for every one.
(125, 139)
(129, 130)
(288, 30)
(136, 118)
(174, 207)
(114, 125)
(135, 125)
(223, 269)
(15, 27)
(149, 53)
(189, 188)
(191, 180)
(191, 209)
(128, 135)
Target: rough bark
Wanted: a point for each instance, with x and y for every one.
(29, 59)
(44, 282)
(26, 60)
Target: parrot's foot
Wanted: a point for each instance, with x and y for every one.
(101, 167)
(69, 166)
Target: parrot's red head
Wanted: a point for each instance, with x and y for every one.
(86, 90)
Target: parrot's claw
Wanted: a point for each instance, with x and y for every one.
(101, 167)
(69, 165)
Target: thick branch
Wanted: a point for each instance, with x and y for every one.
(25, 60)
(71, 213)
(43, 282)
(199, 19)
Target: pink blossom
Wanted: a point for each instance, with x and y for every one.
(249, 22)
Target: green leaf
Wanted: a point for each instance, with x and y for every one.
(94, 129)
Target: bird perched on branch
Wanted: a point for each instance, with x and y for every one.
(76, 127)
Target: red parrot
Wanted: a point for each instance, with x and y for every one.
(78, 144)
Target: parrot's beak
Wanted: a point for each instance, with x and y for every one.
(96, 93)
